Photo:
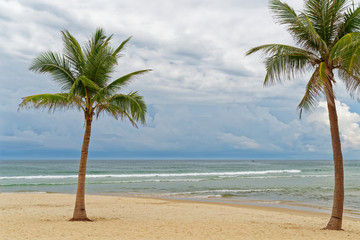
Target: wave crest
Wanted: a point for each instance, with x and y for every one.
(233, 174)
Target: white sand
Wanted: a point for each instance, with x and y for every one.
(45, 216)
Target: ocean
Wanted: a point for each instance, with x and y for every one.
(293, 184)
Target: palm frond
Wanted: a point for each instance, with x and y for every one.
(83, 87)
(311, 39)
(350, 22)
(131, 106)
(284, 13)
(100, 37)
(104, 65)
(124, 80)
(345, 41)
(325, 16)
(134, 105)
(313, 89)
(273, 49)
(114, 111)
(347, 53)
(284, 61)
(352, 82)
(73, 52)
(116, 85)
(47, 101)
(320, 82)
(97, 43)
(57, 66)
(121, 46)
(100, 59)
(299, 26)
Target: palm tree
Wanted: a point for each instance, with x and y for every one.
(83, 73)
(321, 31)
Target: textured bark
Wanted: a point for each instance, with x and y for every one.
(338, 202)
(80, 211)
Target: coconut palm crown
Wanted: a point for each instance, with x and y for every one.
(326, 35)
(84, 76)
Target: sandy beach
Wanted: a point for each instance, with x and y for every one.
(45, 216)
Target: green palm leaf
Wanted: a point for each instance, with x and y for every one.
(350, 22)
(120, 47)
(124, 80)
(47, 101)
(299, 26)
(73, 53)
(83, 87)
(57, 66)
(313, 89)
(324, 15)
(131, 105)
(284, 61)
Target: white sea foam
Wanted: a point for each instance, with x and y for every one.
(39, 177)
(156, 175)
(154, 180)
(224, 191)
(23, 192)
(315, 176)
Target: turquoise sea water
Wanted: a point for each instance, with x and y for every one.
(300, 182)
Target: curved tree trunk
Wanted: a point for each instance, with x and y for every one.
(79, 211)
(338, 204)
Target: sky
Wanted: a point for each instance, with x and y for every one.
(205, 98)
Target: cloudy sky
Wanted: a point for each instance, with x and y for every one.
(205, 98)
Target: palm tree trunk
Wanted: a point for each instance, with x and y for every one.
(79, 211)
(338, 203)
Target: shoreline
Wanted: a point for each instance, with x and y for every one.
(45, 216)
(277, 205)
(283, 206)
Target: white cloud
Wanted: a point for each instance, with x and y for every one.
(204, 93)
(238, 142)
(195, 127)
(26, 30)
(310, 148)
(348, 123)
